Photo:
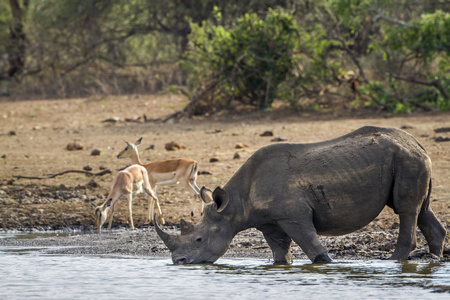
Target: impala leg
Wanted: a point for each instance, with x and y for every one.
(195, 192)
(112, 215)
(193, 206)
(151, 209)
(130, 209)
(151, 202)
(151, 205)
(159, 210)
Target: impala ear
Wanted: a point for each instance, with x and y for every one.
(220, 197)
(138, 142)
(108, 203)
(206, 195)
(92, 205)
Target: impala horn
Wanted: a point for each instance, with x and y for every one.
(170, 240)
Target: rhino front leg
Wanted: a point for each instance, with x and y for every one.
(305, 235)
(279, 242)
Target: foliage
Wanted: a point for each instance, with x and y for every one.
(250, 60)
(412, 54)
(386, 54)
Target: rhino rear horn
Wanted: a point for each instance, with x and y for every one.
(221, 199)
(171, 241)
(185, 226)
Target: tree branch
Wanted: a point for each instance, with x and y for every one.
(436, 83)
(380, 15)
(64, 172)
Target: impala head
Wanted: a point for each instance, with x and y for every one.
(101, 213)
(204, 242)
(129, 149)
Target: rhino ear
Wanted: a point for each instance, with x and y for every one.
(206, 194)
(220, 197)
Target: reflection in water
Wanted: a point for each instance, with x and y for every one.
(34, 275)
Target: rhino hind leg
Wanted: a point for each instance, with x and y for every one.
(279, 242)
(432, 229)
(407, 240)
(408, 200)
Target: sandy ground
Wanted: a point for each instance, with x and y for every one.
(35, 134)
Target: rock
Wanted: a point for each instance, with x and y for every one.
(266, 133)
(112, 120)
(173, 146)
(95, 152)
(236, 156)
(440, 139)
(278, 139)
(213, 160)
(204, 173)
(74, 146)
(442, 129)
(92, 184)
(133, 119)
(240, 146)
(87, 168)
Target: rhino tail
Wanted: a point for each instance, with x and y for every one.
(426, 201)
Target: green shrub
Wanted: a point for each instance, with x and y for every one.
(250, 60)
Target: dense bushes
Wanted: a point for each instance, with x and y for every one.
(250, 59)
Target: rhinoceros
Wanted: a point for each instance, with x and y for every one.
(296, 192)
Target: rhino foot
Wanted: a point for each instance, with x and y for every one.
(322, 258)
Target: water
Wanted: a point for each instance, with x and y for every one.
(30, 274)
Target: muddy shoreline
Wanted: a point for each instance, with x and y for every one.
(144, 242)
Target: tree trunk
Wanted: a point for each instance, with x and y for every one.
(17, 47)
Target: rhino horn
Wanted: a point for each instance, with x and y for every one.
(170, 240)
(185, 226)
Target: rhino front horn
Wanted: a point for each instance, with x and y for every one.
(170, 240)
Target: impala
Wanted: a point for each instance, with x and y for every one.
(170, 171)
(132, 180)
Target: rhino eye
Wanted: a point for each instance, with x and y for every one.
(199, 240)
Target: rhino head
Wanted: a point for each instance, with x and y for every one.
(206, 241)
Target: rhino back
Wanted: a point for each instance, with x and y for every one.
(345, 181)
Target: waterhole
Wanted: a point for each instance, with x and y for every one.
(29, 273)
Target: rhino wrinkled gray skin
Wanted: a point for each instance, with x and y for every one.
(299, 191)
